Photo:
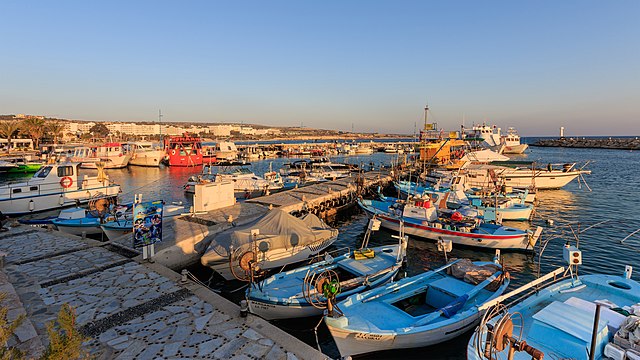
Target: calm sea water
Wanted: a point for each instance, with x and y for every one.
(614, 198)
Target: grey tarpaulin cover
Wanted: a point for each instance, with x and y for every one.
(278, 229)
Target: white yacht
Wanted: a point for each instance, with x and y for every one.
(226, 150)
(512, 143)
(55, 186)
(145, 153)
(246, 184)
(113, 155)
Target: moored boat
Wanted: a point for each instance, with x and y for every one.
(144, 153)
(512, 144)
(564, 317)
(55, 186)
(295, 294)
(112, 155)
(417, 311)
(183, 150)
(554, 176)
(422, 219)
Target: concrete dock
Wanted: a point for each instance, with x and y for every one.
(130, 309)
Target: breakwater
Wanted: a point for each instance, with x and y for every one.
(594, 143)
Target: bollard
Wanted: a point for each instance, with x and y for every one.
(244, 308)
(84, 235)
(184, 276)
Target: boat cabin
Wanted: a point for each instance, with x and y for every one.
(184, 150)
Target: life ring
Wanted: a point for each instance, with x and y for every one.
(173, 152)
(66, 182)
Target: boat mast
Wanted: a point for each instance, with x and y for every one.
(160, 123)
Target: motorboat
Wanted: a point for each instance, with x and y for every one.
(416, 311)
(512, 144)
(246, 183)
(145, 153)
(273, 241)
(554, 176)
(562, 316)
(55, 186)
(297, 293)
(226, 150)
(421, 218)
(112, 155)
(183, 151)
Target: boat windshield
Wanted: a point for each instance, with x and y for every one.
(43, 172)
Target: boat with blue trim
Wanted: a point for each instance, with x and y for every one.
(298, 293)
(564, 316)
(417, 311)
(422, 219)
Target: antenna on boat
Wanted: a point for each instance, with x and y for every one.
(160, 123)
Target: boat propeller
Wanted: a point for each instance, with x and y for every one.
(502, 338)
(320, 288)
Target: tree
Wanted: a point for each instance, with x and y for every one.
(35, 128)
(56, 129)
(9, 129)
(100, 130)
(65, 341)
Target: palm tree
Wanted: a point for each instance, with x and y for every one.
(35, 128)
(9, 129)
(56, 128)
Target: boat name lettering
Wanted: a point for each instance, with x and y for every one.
(365, 336)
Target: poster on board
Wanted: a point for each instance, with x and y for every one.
(147, 223)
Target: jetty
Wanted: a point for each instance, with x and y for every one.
(594, 143)
(126, 307)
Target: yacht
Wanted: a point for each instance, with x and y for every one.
(145, 153)
(113, 155)
(512, 143)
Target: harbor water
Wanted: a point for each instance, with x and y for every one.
(612, 205)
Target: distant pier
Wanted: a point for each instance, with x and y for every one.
(595, 143)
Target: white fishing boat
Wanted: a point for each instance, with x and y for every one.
(226, 151)
(512, 143)
(298, 293)
(145, 153)
(55, 186)
(364, 149)
(564, 317)
(275, 240)
(554, 176)
(417, 311)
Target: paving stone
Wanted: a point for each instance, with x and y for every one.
(227, 350)
(251, 334)
(202, 321)
(170, 349)
(208, 347)
(255, 350)
(266, 342)
(291, 356)
(188, 351)
(150, 352)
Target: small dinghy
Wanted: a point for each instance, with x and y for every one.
(416, 311)
(588, 317)
(295, 294)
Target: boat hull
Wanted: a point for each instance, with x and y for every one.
(353, 343)
(510, 242)
(515, 149)
(525, 179)
(276, 311)
(54, 200)
(111, 162)
(147, 158)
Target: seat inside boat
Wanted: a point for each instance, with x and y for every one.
(438, 294)
(567, 329)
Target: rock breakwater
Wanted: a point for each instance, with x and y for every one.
(599, 143)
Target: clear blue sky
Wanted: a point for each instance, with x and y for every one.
(535, 65)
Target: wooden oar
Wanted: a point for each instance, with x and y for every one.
(453, 307)
(393, 288)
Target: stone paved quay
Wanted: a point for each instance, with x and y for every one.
(128, 309)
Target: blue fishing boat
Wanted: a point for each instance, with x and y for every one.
(573, 317)
(122, 225)
(422, 219)
(507, 206)
(294, 294)
(416, 311)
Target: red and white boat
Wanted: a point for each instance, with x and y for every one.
(183, 150)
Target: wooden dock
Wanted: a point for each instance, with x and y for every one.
(324, 196)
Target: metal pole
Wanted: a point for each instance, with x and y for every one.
(594, 333)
